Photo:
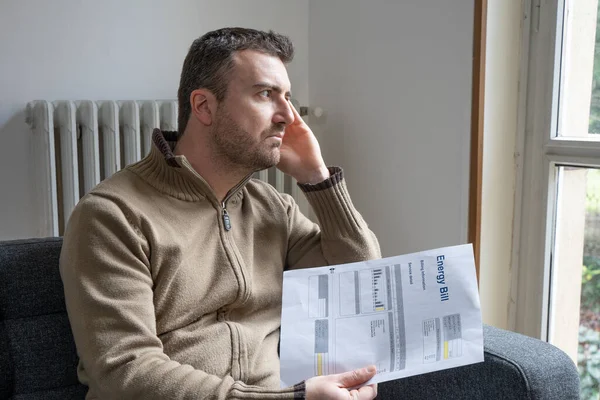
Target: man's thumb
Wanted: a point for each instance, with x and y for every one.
(357, 377)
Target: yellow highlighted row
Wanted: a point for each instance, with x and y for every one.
(319, 364)
(445, 350)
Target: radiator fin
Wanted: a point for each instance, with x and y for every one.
(77, 144)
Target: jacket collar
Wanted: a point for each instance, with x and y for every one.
(173, 174)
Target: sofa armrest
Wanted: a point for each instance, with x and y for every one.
(515, 367)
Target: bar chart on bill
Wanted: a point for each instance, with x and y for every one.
(375, 291)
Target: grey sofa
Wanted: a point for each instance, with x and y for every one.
(38, 358)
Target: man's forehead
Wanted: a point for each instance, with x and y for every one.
(252, 67)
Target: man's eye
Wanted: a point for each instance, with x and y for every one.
(265, 93)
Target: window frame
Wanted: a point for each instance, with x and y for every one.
(537, 156)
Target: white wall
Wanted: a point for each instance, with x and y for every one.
(503, 63)
(395, 81)
(110, 49)
(393, 77)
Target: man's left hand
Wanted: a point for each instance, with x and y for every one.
(300, 153)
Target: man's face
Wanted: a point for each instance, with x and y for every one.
(250, 121)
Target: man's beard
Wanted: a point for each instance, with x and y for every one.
(235, 148)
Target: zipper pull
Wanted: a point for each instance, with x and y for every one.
(226, 220)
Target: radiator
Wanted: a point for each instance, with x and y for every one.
(77, 144)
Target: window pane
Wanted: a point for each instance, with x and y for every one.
(574, 323)
(579, 93)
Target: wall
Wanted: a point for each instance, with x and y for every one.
(394, 79)
(502, 74)
(111, 49)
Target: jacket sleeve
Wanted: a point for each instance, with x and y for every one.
(106, 272)
(342, 235)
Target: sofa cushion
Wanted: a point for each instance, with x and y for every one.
(38, 358)
(492, 379)
(516, 367)
(74, 392)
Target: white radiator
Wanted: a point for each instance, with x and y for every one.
(76, 144)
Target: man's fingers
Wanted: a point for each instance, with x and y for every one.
(366, 392)
(356, 377)
(294, 111)
(374, 386)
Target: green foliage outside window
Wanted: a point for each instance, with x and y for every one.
(588, 358)
(594, 125)
(589, 362)
(589, 329)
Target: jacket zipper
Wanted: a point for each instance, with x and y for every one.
(239, 373)
(226, 220)
(224, 213)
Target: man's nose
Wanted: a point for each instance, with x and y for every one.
(284, 113)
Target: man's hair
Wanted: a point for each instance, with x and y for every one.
(210, 59)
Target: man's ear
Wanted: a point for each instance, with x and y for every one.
(204, 106)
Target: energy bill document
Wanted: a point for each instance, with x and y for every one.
(407, 315)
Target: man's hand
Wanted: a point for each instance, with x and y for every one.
(301, 154)
(339, 387)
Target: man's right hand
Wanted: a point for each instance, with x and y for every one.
(339, 387)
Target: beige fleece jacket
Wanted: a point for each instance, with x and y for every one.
(165, 302)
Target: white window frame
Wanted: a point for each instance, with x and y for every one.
(537, 155)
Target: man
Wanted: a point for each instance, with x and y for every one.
(173, 267)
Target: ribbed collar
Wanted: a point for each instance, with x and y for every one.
(173, 174)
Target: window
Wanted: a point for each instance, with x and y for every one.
(556, 257)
